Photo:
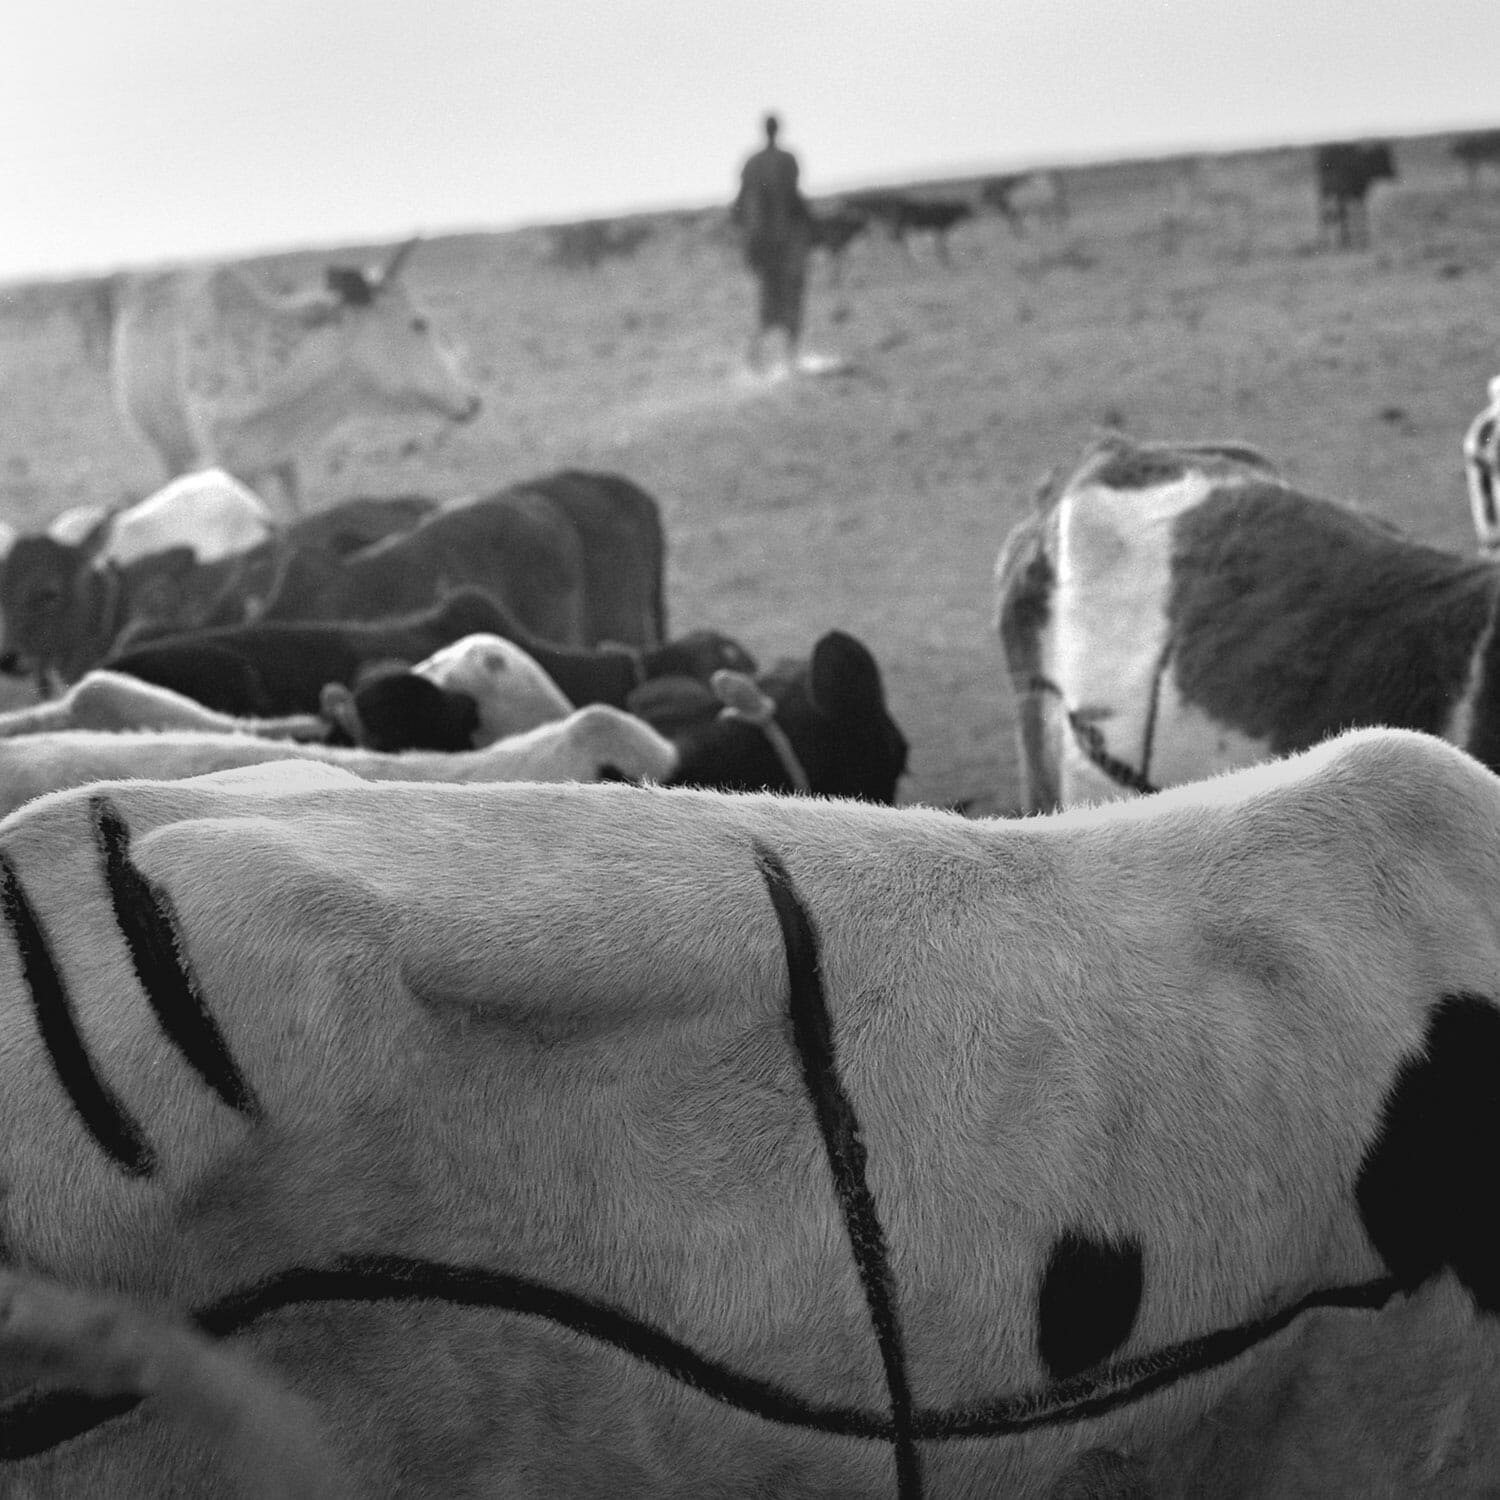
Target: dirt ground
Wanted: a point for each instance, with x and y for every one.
(1183, 299)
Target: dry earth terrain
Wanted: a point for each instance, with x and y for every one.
(1185, 298)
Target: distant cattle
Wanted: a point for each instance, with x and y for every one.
(281, 666)
(903, 215)
(1478, 149)
(1179, 610)
(576, 557)
(1018, 196)
(1482, 468)
(202, 551)
(833, 230)
(582, 1141)
(1345, 172)
(212, 369)
(586, 245)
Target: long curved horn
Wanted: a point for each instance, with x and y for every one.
(392, 267)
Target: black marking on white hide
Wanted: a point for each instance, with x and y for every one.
(148, 923)
(812, 1030)
(1087, 1302)
(102, 1113)
(1427, 1184)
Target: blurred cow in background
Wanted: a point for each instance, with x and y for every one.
(210, 368)
(1479, 148)
(1017, 196)
(1345, 171)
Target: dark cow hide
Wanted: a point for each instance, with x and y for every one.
(577, 558)
(280, 667)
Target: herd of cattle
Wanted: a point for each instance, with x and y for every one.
(385, 1112)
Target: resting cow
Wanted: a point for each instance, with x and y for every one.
(117, 701)
(281, 666)
(587, 1141)
(454, 704)
(466, 696)
(1177, 610)
(589, 745)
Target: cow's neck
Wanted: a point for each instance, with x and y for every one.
(100, 613)
(255, 434)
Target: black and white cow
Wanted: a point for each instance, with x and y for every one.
(1482, 469)
(609, 1141)
(1177, 610)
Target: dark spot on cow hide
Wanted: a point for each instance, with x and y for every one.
(1295, 618)
(1086, 1306)
(1426, 1185)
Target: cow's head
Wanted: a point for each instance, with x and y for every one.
(369, 341)
(58, 604)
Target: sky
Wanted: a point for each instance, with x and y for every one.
(135, 132)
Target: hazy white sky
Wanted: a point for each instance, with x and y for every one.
(134, 131)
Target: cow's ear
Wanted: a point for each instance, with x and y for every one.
(93, 541)
(392, 268)
(843, 678)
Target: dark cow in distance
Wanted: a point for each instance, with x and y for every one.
(1478, 149)
(903, 215)
(833, 230)
(1179, 610)
(1017, 195)
(276, 667)
(576, 557)
(1345, 172)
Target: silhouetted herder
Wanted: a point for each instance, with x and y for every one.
(1345, 171)
(775, 223)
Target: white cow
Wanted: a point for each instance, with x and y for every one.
(212, 369)
(586, 745)
(605, 1141)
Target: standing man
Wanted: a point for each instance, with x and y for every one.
(773, 217)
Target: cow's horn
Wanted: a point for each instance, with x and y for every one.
(392, 267)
